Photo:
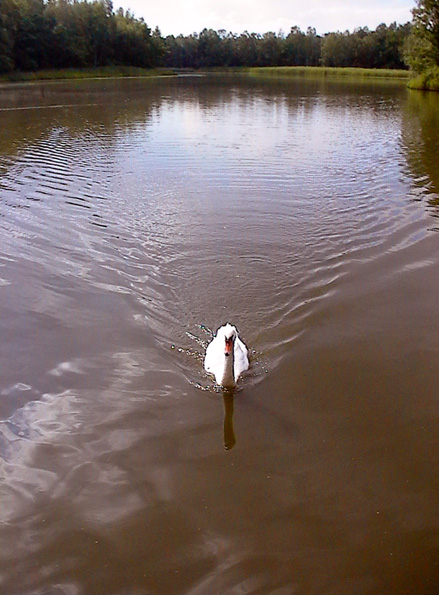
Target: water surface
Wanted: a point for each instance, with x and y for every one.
(136, 217)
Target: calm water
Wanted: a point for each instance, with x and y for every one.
(138, 216)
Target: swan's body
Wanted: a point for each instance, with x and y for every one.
(226, 356)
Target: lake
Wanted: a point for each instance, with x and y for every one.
(136, 217)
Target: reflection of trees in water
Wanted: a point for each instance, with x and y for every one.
(59, 139)
(30, 112)
(420, 137)
(109, 105)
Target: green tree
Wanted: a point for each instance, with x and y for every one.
(270, 49)
(97, 19)
(9, 19)
(426, 24)
(32, 36)
(181, 52)
(337, 49)
(71, 45)
(388, 45)
(133, 44)
(422, 47)
(293, 50)
(158, 49)
(210, 49)
(246, 49)
(313, 49)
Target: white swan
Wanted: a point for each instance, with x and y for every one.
(226, 356)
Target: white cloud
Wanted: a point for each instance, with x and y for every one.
(188, 16)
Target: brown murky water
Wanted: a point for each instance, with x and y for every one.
(137, 215)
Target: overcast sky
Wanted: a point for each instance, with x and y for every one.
(259, 16)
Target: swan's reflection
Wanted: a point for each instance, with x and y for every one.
(229, 433)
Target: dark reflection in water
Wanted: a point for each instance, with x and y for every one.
(229, 432)
(134, 216)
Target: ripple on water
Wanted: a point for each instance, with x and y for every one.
(189, 219)
(195, 218)
(129, 232)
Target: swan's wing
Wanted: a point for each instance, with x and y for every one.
(241, 358)
(241, 348)
(212, 359)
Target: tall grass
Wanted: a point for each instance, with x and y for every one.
(86, 73)
(327, 71)
(266, 71)
(427, 81)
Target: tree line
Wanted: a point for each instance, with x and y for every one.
(382, 48)
(41, 34)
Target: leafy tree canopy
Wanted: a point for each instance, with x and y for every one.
(36, 34)
(422, 46)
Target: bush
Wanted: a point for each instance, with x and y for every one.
(427, 80)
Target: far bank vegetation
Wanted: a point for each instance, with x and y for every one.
(54, 34)
(50, 35)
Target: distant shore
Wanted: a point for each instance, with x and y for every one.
(85, 73)
(328, 71)
(422, 82)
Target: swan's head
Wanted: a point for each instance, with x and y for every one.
(229, 333)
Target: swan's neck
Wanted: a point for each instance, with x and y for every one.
(228, 377)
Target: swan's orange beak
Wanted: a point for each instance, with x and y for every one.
(229, 346)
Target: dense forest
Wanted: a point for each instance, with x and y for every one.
(42, 34)
(382, 48)
(38, 34)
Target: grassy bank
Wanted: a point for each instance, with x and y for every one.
(85, 73)
(266, 71)
(427, 81)
(326, 71)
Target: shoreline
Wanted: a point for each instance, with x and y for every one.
(329, 71)
(428, 81)
(76, 74)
